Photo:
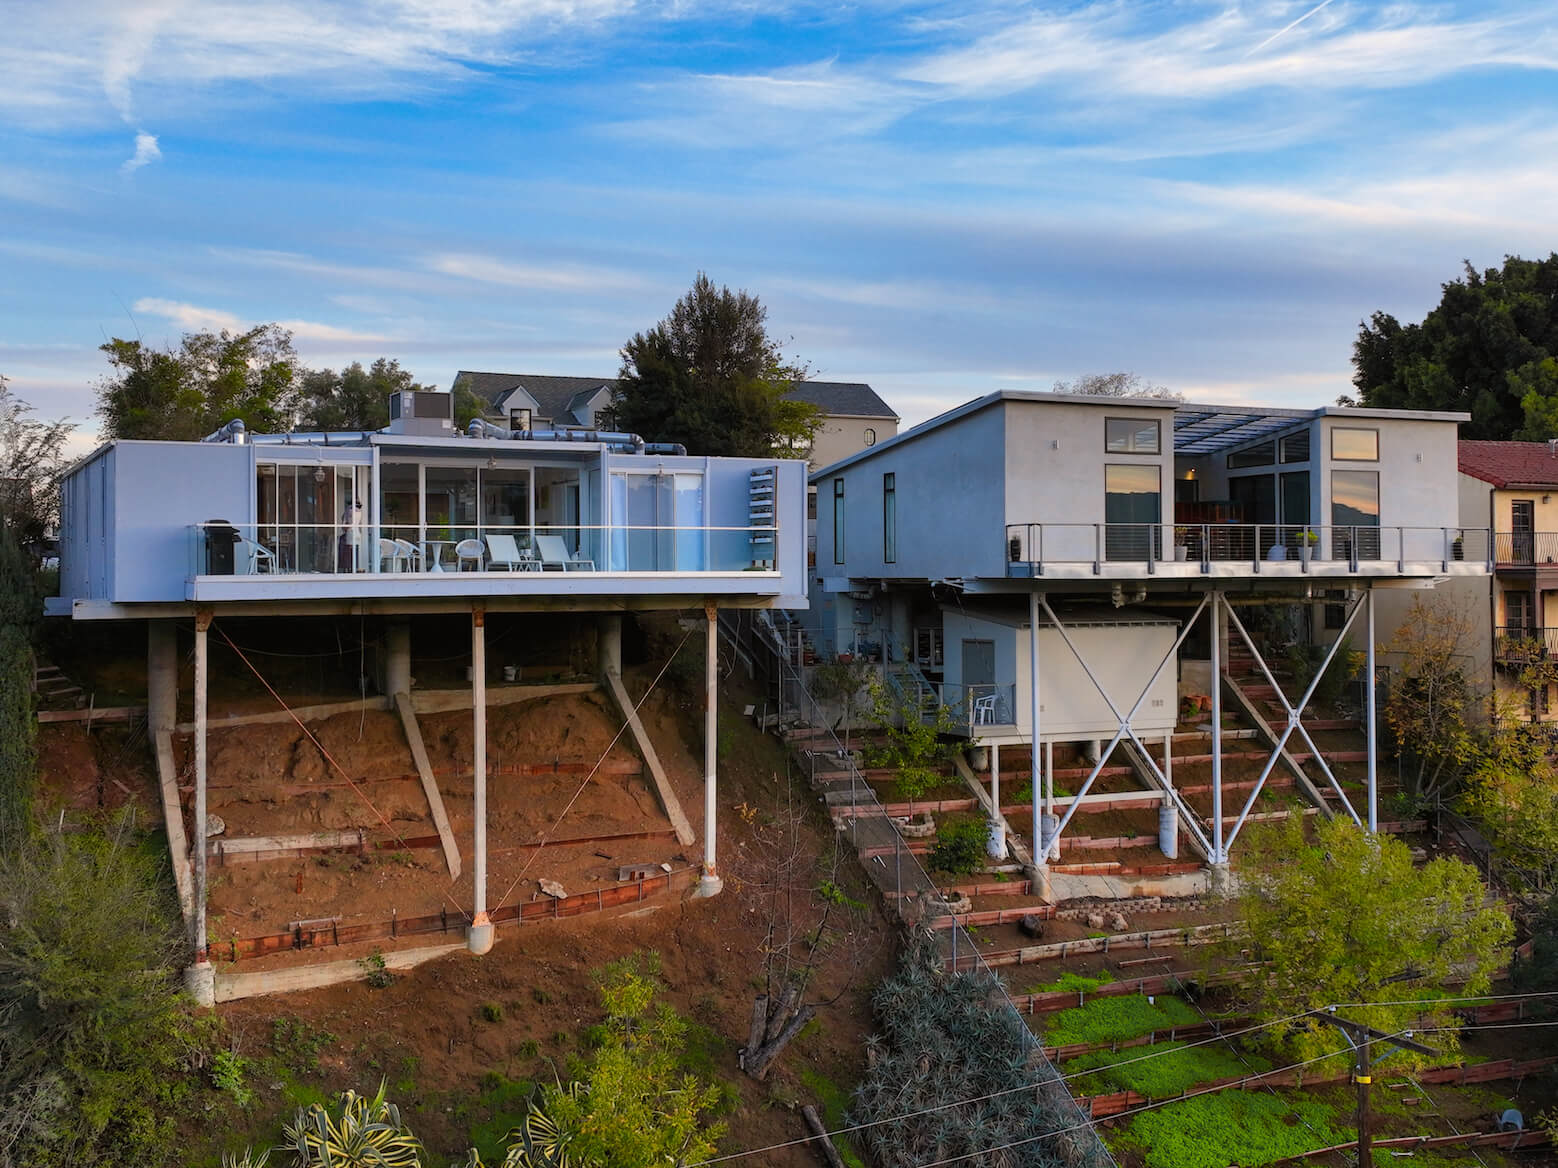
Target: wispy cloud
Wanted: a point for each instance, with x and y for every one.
(146, 151)
(199, 318)
(540, 278)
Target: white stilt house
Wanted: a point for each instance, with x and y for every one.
(418, 519)
(1060, 568)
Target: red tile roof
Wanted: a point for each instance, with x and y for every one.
(1510, 464)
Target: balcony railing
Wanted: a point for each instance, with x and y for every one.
(1525, 548)
(1516, 645)
(979, 706)
(301, 549)
(1031, 548)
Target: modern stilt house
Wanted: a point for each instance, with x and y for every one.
(416, 520)
(1059, 569)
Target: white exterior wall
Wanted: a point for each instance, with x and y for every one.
(1055, 460)
(841, 435)
(950, 506)
(1417, 488)
(1071, 708)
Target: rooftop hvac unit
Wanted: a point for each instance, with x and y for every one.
(422, 413)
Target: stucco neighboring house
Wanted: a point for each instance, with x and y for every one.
(854, 418)
(1512, 488)
(539, 401)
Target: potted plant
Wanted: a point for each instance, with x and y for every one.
(1307, 540)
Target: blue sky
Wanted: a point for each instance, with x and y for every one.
(941, 199)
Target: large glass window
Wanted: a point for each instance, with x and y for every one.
(1355, 505)
(1261, 454)
(663, 519)
(1131, 436)
(889, 519)
(1295, 497)
(1295, 447)
(1132, 510)
(838, 521)
(1353, 445)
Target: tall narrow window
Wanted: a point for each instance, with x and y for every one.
(889, 519)
(838, 521)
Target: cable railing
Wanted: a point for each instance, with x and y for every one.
(1033, 548)
(220, 548)
(906, 884)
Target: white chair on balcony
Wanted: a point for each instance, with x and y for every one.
(554, 554)
(985, 710)
(468, 551)
(390, 556)
(254, 558)
(410, 555)
(503, 552)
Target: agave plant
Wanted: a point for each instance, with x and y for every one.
(537, 1143)
(249, 1159)
(368, 1133)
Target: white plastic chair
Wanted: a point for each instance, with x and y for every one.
(503, 552)
(410, 555)
(468, 551)
(985, 710)
(554, 554)
(257, 558)
(391, 559)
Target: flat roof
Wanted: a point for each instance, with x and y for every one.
(1199, 428)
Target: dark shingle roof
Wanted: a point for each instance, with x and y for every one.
(850, 399)
(1510, 464)
(558, 396)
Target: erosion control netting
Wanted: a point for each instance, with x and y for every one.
(956, 1062)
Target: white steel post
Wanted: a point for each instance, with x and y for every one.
(996, 845)
(710, 883)
(1368, 715)
(479, 937)
(1219, 853)
(200, 978)
(1039, 856)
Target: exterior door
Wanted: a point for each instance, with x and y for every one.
(1522, 530)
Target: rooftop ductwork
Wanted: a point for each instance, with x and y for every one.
(233, 432)
(619, 442)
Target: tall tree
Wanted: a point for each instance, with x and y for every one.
(1347, 917)
(1123, 384)
(209, 380)
(1488, 348)
(353, 399)
(32, 453)
(19, 612)
(709, 376)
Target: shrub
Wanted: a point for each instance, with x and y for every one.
(375, 972)
(492, 1011)
(1249, 1128)
(96, 1043)
(1075, 982)
(960, 844)
(1159, 1070)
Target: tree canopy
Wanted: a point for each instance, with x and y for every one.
(1122, 384)
(32, 454)
(709, 376)
(353, 399)
(1347, 918)
(1490, 348)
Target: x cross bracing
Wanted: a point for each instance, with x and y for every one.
(1213, 840)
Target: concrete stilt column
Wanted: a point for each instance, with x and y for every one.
(1168, 817)
(479, 936)
(608, 642)
(162, 676)
(710, 883)
(996, 845)
(200, 978)
(397, 657)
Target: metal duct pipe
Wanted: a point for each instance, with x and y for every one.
(232, 432)
(314, 438)
(622, 442)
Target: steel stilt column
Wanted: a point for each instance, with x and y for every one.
(480, 935)
(1039, 844)
(200, 978)
(1219, 852)
(1370, 727)
(710, 884)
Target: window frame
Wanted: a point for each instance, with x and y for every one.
(1255, 452)
(890, 517)
(870, 436)
(1335, 430)
(838, 521)
(1138, 425)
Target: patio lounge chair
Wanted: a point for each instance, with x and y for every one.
(503, 552)
(554, 554)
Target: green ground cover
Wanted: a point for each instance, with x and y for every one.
(1116, 1019)
(1159, 1070)
(1248, 1128)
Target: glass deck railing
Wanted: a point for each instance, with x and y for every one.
(218, 548)
(1032, 546)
